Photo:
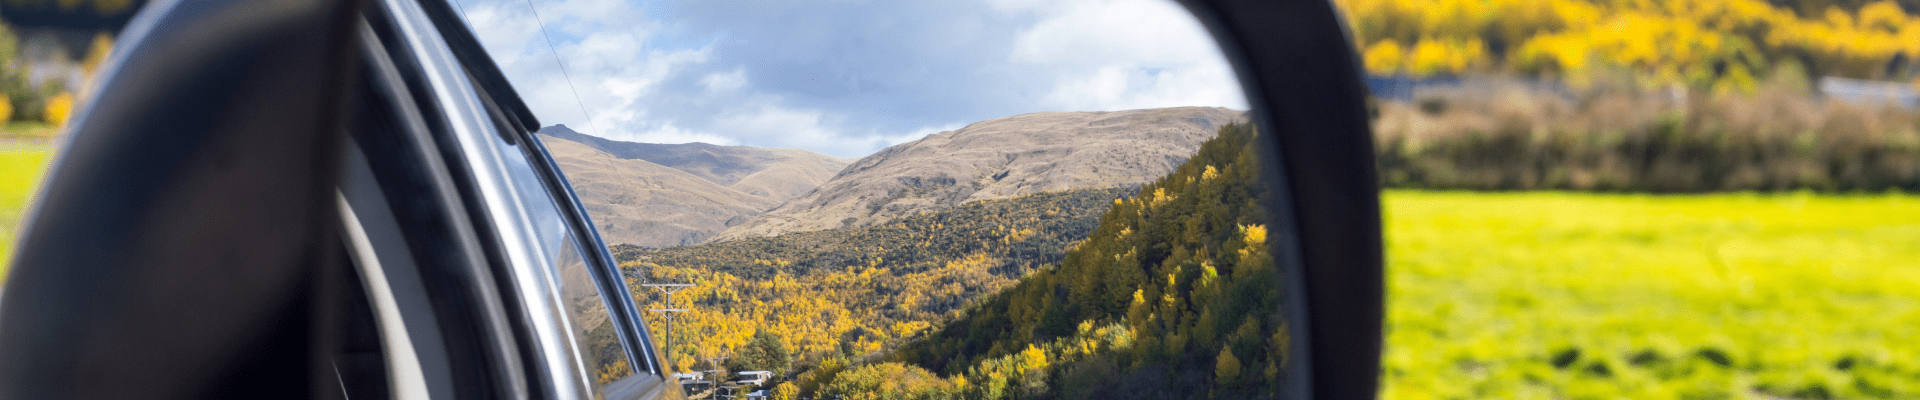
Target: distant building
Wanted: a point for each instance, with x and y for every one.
(1404, 88)
(1870, 93)
(686, 377)
(754, 377)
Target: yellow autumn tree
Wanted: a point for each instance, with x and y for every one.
(1383, 57)
(1720, 44)
(1227, 369)
(58, 108)
(786, 391)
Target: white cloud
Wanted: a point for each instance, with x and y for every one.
(1126, 54)
(1137, 32)
(842, 78)
(1120, 88)
(725, 81)
(668, 133)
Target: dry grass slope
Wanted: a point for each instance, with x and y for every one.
(699, 191)
(998, 159)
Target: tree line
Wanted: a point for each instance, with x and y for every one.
(1643, 95)
(1728, 44)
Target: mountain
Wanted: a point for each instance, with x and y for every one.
(997, 159)
(660, 195)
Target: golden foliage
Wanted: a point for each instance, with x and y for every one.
(823, 314)
(786, 391)
(1169, 279)
(1696, 42)
(97, 52)
(1383, 56)
(58, 108)
(848, 293)
(1227, 369)
(890, 381)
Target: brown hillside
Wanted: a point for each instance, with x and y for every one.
(997, 159)
(656, 195)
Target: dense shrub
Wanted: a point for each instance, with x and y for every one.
(1506, 136)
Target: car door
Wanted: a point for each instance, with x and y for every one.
(328, 198)
(574, 330)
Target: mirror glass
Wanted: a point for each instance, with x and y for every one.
(999, 199)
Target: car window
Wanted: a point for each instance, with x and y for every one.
(595, 336)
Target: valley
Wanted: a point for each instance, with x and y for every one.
(879, 252)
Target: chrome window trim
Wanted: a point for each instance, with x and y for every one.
(397, 249)
(516, 121)
(410, 333)
(405, 377)
(528, 266)
(613, 286)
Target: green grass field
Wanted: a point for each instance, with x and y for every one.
(21, 165)
(32, 131)
(1602, 296)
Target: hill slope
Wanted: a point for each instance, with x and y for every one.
(997, 159)
(1006, 239)
(1172, 296)
(659, 195)
(851, 290)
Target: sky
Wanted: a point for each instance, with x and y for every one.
(845, 78)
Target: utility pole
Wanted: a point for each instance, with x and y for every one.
(717, 371)
(670, 312)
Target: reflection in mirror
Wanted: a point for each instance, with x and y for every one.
(1680, 199)
(922, 200)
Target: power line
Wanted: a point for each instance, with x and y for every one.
(556, 58)
(563, 69)
(464, 17)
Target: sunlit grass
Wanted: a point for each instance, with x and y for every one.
(31, 130)
(21, 167)
(1646, 296)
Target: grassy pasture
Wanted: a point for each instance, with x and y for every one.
(30, 131)
(1574, 296)
(21, 166)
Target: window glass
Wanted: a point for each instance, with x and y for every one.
(965, 195)
(596, 341)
